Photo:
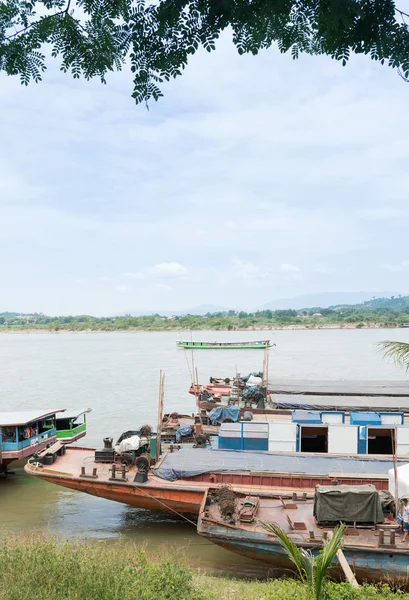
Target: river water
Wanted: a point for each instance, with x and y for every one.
(117, 375)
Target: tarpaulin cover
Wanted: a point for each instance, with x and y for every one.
(253, 374)
(218, 414)
(347, 503)
(129, 444)
(338, 402)
(398, 387)
(188, 462)
(253, 389)
(182, 432)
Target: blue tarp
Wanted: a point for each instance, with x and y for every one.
(188, 462)
(183, 432)
(218, 414)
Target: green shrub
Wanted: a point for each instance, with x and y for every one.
(36, 569)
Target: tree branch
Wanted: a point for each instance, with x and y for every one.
(61, 12)
(401, 12)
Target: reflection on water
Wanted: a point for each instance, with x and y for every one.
(117, 375)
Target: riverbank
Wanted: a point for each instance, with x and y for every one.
(296, 327)
(53, 570)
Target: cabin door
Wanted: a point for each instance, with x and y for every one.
(342, 439)
(402, 438)
(282, 437)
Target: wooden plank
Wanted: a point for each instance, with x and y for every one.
(350, 577)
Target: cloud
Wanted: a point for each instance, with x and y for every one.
(247, 271)
(105, 279)
(123, 289)
(136, 276)
(287, 268)
(322, 270)
(168, 270)
(397, 268)
(203, 177)
(161, 287)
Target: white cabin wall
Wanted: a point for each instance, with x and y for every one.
(342, 439)
(402, 446)
(282, 437)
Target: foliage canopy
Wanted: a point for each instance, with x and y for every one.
(93, 37)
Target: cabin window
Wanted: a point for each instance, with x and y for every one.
(314, 439)
(380, 441)
(9, 434)
(45, 426)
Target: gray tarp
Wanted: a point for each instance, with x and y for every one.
(398, 387)
(347, 503)
(188, 462)
(323, 402)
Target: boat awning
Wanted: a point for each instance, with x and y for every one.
(22, 417)
(73, 413)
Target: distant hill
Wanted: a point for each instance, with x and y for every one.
(325, 299)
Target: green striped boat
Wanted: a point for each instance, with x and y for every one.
(224, 345)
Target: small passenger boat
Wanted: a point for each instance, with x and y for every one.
(72, 425)
(22, 433)
(233, 520)
(190, 345)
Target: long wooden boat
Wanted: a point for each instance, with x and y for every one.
(22, 433)
(251, 345)
(233, 520)
(178, 482)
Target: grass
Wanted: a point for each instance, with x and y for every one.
(36, 568)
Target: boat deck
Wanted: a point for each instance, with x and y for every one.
(180, 497)
(298, 522)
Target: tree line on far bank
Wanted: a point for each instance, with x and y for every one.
(385, 312)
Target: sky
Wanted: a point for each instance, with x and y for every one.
(254, 178)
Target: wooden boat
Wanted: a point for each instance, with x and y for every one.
(22, 433)
(71, 425)
(183, 490)
(373, 550)
(190, 345)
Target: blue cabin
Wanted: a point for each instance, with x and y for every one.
(323, 432)
(24, 432)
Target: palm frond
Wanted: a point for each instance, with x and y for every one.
(325, 557)
(398, 351)
(294, 553)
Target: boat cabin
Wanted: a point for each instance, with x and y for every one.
(24, 432)
(72, 425)
(332, 432)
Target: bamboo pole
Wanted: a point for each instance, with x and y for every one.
(160, 413)
(395, 469)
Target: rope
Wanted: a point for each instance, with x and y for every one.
(165, 505)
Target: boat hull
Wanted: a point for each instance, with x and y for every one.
(367, 564)
(184, 501)
(221, 346)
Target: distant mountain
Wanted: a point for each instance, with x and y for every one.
(324, 299)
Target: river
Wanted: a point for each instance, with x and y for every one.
(117, 375)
